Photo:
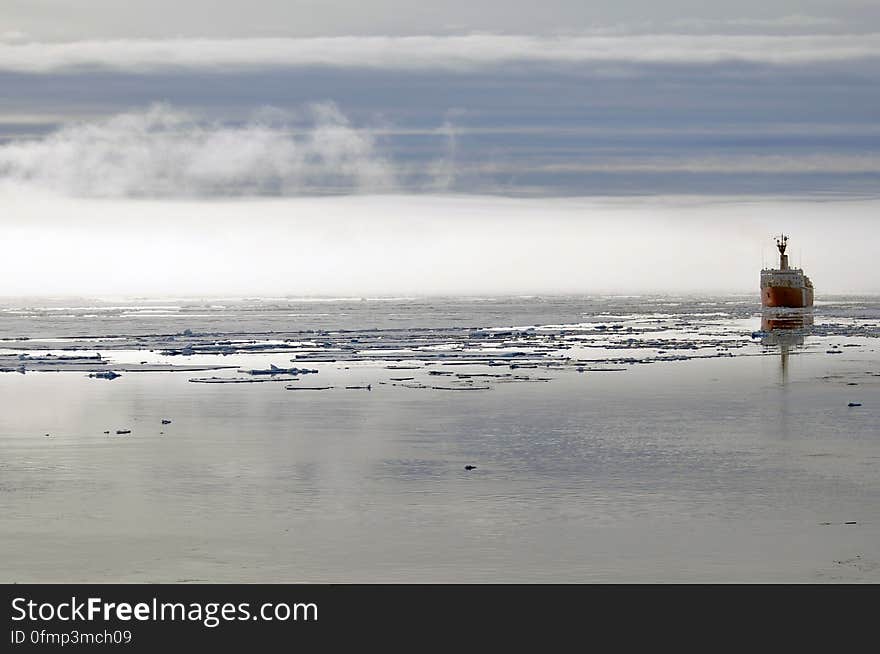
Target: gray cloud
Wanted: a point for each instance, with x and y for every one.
(86, 19)
(166, 152)
(551, 129)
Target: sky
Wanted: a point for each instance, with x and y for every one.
(64, 20)
(539, 122)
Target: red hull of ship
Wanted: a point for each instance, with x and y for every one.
(781, 296)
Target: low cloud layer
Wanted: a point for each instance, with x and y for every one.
(163, 152)
(824, 163)
(428, 52)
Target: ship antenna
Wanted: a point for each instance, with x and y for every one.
(781, 243)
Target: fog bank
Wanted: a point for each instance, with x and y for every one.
(423, 245)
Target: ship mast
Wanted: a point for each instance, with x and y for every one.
(781, 244)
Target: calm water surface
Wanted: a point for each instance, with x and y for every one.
(718, 468)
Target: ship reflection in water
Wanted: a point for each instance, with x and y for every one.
(785, 330)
